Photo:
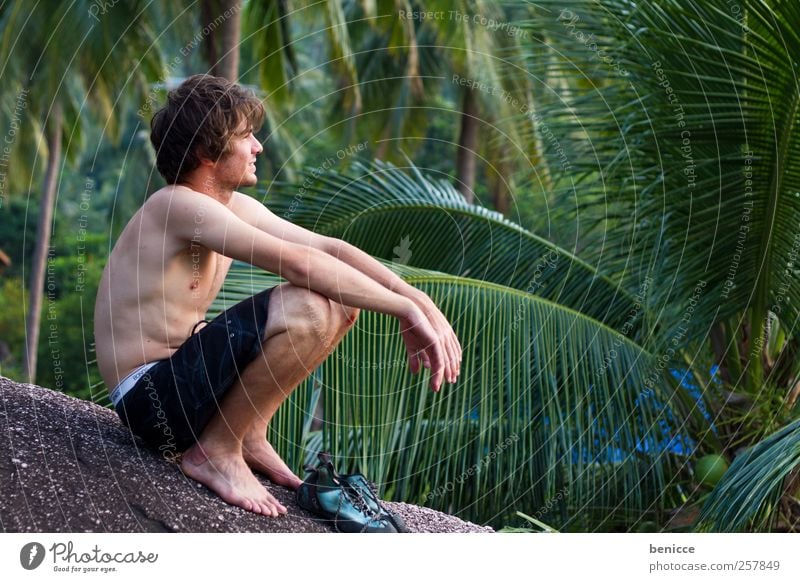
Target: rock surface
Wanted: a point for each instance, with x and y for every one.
(68, 465)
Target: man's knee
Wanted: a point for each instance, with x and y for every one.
(300, 311)
(344, 315)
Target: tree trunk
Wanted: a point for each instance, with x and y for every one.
(41, 250)
(208, 11)
(467, 145)
(499, 180)
(226, 40)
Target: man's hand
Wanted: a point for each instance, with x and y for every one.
(429, 337)
(444, 331)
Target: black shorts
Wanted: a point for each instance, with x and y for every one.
(171, 404)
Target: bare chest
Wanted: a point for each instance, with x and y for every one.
(202, 273)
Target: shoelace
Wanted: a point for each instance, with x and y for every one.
(356, 497)
(372, 491)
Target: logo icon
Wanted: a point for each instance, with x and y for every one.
(402, 252)
(31, 555)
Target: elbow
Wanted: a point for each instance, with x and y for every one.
(296, 265)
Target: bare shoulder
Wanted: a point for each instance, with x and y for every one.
(179, 203)
(248, 208)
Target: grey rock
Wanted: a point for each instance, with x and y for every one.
(68, 465)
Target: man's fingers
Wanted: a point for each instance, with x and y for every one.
(453, 358)
(413, 360)
(437, 357)
(425, 360)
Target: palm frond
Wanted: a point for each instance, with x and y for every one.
(539, 408)
(685, 140)
(748, 496)
(413, 219)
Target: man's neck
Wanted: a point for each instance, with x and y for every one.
(209, 185)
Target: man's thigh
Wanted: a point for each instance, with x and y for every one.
(297, 308)
(174, 401)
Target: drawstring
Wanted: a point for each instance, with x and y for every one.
(198, 323)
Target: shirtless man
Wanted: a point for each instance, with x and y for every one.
(209, 390)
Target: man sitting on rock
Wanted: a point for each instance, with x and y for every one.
(209, 389)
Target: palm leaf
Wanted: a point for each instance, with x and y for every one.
(748, 496)
(538, 409)
(414, 219)
(721, 210)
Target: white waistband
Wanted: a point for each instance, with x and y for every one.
(128, 382)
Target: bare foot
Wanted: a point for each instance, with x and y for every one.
(260, 455)
(228, 476)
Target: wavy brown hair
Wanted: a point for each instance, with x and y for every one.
(200, 118)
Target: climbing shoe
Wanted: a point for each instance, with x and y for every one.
(348, 502)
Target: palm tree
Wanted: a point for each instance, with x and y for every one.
(390, 70)
(222, 44)
(69, 59)
(677, 121)
(684, 147)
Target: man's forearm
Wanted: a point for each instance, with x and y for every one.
(367, 265)
(345, 284)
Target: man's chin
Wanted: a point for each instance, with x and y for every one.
(249, 180)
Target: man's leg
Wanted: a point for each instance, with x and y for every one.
(258, 452)
(293, 347)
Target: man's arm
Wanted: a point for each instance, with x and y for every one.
(258, 215)
(202, 220)
(262, 218)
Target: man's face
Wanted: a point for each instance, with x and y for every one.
(237, 167)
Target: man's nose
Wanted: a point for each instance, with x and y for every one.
(257, 147)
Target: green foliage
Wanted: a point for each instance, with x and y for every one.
(748, 498)
(679, 121)
(18, 233)
(550, 399)
(12, 326)
(384, 206)
(67, 330)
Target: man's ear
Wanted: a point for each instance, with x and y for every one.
(205, 160)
